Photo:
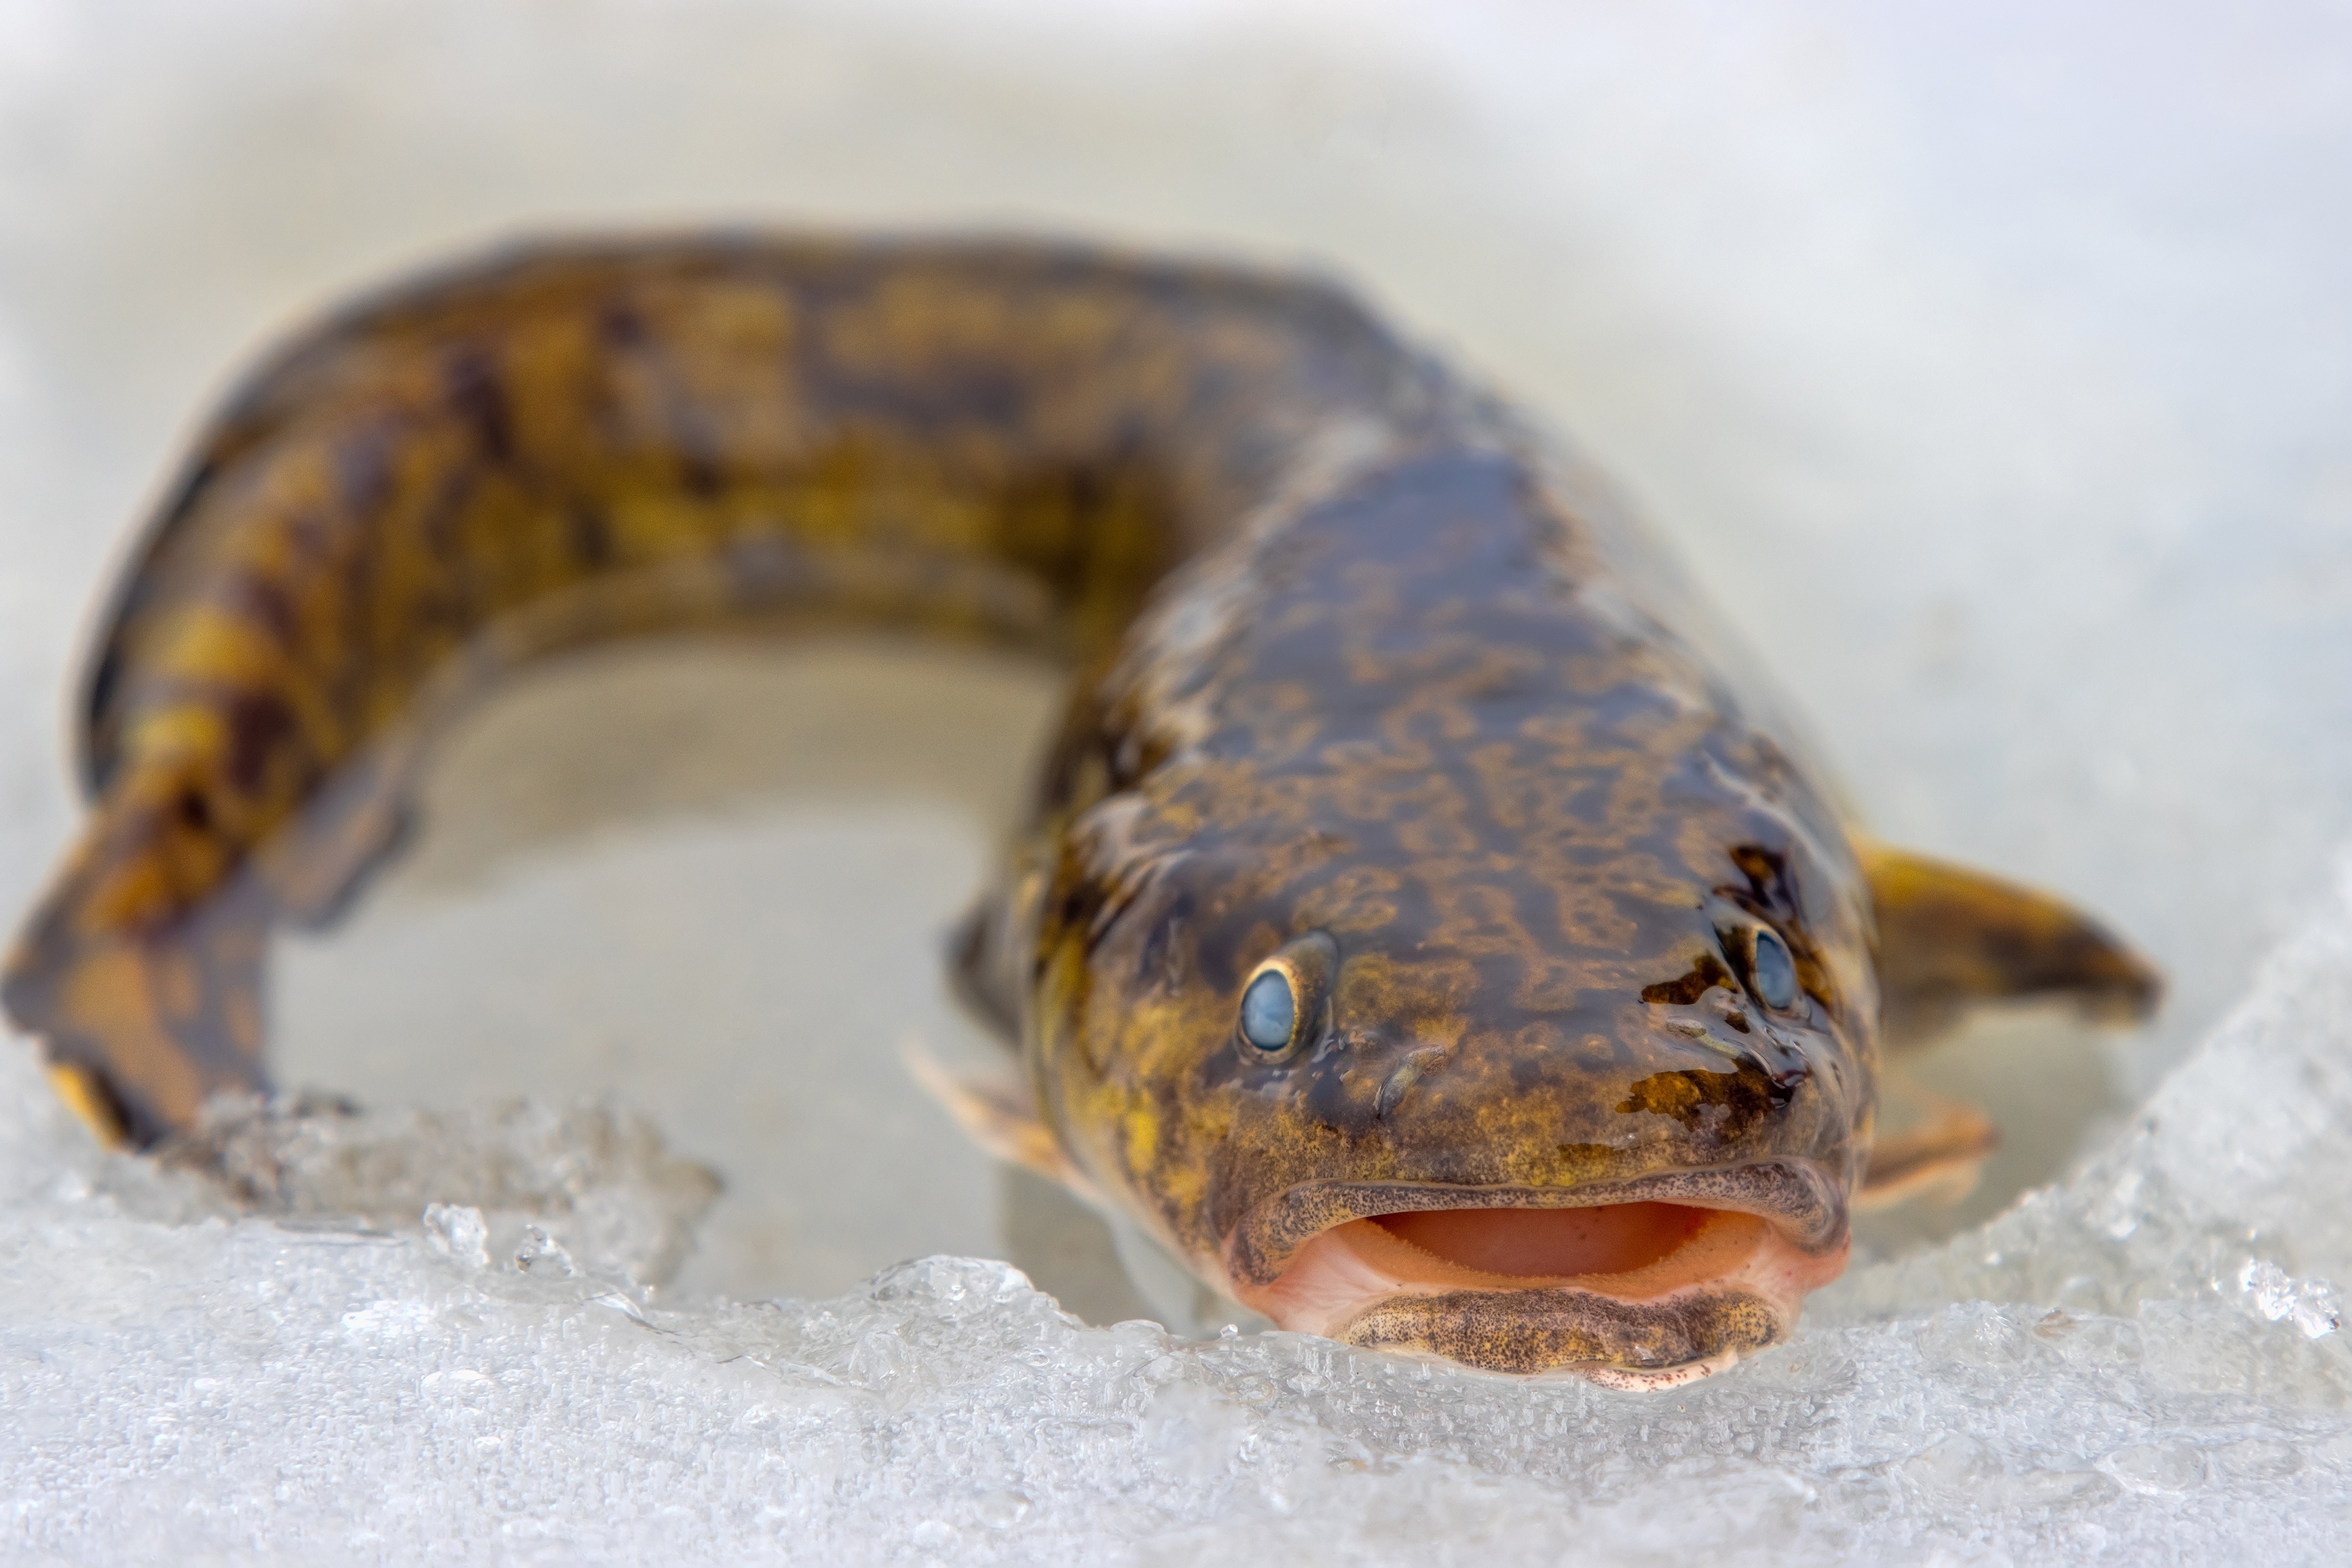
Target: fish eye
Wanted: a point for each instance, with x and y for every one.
(1773, 973)
(1270, 1011)
(1286, 1006)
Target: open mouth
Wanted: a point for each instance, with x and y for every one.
(1611, 1238)
(1677, 1279)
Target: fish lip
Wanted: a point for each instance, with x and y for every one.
(1802, 1202)
(1637, 1346)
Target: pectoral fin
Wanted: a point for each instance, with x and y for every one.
(1926, 1146)
(995, 1111)
(1950, 939)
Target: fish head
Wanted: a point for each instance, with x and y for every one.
(1567, 1061)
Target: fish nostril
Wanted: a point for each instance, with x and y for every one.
(1408, 1072)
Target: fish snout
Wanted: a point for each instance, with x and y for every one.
(1645, 1283)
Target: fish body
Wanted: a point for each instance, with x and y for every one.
(1413, 931)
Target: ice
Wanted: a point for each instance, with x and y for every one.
(595, 892)
(2142, 1358)
(411, 1336)
(522, 1178)
(1990, 366)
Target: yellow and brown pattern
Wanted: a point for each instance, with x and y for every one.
(1363, 661)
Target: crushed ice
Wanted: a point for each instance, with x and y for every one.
(529, 1182)
(463, 1312)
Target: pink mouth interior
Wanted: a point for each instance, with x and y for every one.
(1610, 1238)
(1480, 1259)
(1633, 1252)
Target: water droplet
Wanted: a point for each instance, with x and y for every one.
(539, 1253)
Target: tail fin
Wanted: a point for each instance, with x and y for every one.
(141, 974)
(1950, 939)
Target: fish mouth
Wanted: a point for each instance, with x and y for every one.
(1647, 1283)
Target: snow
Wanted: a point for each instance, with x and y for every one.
(1990, 366)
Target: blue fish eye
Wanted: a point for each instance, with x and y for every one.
(1774, 972)
(1268, 1012)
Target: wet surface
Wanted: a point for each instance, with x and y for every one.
(713, 880)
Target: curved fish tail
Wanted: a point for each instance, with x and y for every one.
(576, 444)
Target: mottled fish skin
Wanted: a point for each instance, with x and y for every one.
(1361, 657)
(1002, 440)
(1417, 716)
